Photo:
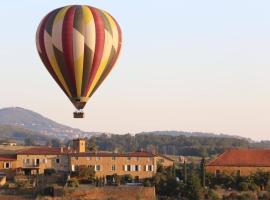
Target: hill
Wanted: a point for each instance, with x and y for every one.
(27, 119)
(18, 134)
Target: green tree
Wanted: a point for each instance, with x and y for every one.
(86, 173)
(202, 168)
(193, 188)
(185, 172)
(91, 144)
(29, 141)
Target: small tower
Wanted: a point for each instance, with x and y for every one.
(79, 145)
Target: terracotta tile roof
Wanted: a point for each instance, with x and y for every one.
(243, 157)
(7, 157)
(43, 151)
(166, 157)
(111, 154)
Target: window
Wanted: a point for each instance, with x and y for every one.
(129, 158)
(217, 172)
(97, 168)
(128, 168)
(113, 168)
(149, 168)
(57, 160)
(238, 173)
(27, 161)
(138, 158)
(7, 165)
(113, 158)
(136, 167)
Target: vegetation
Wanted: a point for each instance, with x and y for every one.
(167, 144)
(73, 183)
(19, 134)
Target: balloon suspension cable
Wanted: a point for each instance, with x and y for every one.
(78, 114)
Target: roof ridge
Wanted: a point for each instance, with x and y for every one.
(218, 157)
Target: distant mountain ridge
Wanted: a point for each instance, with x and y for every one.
(27, 119)
(16, 120)
(194, 134)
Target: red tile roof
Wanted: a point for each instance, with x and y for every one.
(111, 154)
(44, 151)
(7, 157)
(243, 157)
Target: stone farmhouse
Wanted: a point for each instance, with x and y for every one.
(35, 160)
(242, 162)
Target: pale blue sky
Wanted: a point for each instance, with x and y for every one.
(185, 65)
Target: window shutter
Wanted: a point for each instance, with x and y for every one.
(139, 167)
(152, 168)
(146, 167)
(125, 169)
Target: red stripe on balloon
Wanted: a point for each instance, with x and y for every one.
(114, 58)
(99, 47)
(67, 41)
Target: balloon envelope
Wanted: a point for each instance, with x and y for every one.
(79, 46)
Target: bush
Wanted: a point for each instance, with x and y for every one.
(247, 196)
(243, 186)
(211, 195)
(253, 187)
(73, 183)
(147, 183)
(49, 171)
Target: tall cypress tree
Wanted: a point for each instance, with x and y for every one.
(203, 172)
(185, 171)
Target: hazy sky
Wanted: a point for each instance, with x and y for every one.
(185, 65)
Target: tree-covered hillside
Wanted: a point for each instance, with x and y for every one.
(19, 134)
(174, 145)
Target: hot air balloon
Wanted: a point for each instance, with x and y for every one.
(79, 46)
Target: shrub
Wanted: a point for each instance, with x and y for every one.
(49, 171)
(73, 183)
(211, 195)
(147, 183)
(253, 187)
(243, 186)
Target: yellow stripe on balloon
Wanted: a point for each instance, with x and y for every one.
(78, 52)
(87, 14)
(53, 61)
(61, 14)
(106, 54)
(114, 30)
(57, 29)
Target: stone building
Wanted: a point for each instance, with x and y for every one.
(35, 160)
(241, 162)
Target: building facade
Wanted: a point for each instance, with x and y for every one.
(36, 160)
(242, 162)
(138, 164)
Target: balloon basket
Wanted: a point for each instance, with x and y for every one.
(78, 114)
